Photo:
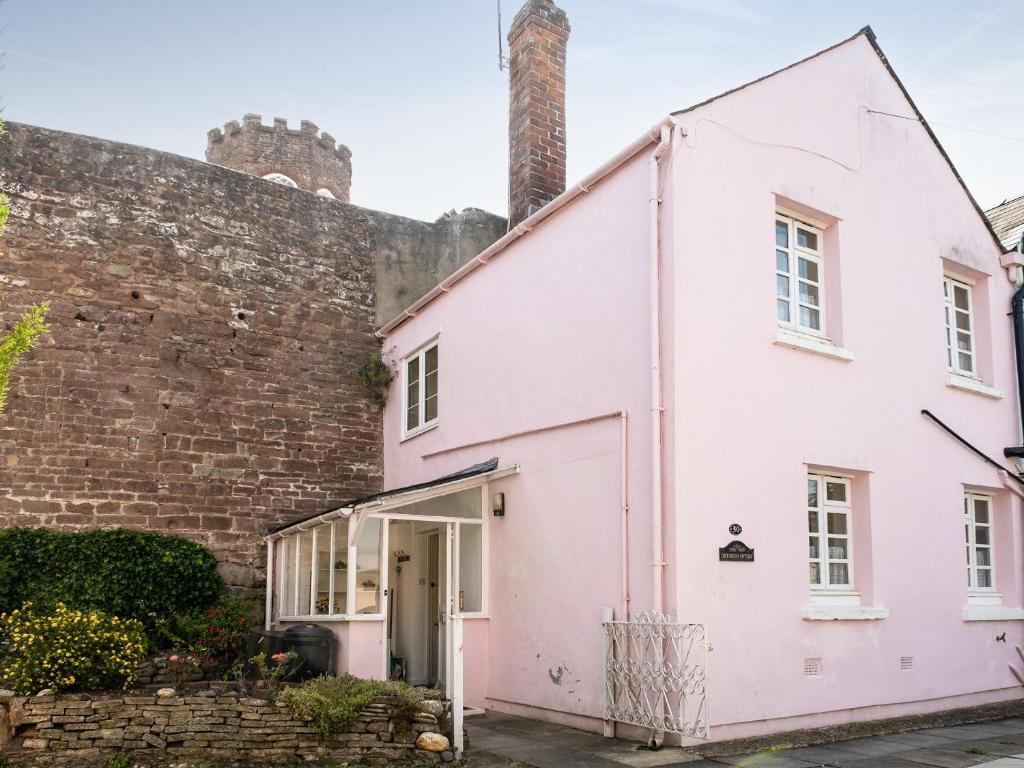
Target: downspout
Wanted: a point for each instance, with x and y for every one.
(657, 405)
(1017, 311)
(624, 428)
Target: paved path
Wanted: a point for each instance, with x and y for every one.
(503, 741)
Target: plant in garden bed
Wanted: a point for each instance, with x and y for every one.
(333, 703)
(271, 673)
(184, 667)
(216, 634)
(66, 649)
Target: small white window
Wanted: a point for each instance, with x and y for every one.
(978, 540)
(799, 276)
(280, 178)
(420, 389)
(830, 536)
(325, 192)
(959, 326)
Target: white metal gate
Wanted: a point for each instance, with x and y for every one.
(656, 674)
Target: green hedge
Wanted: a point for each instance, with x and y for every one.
(130, 574)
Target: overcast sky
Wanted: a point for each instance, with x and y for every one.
(413, 87)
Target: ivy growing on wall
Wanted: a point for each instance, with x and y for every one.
(130, 574)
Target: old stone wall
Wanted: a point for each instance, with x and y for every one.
(206, 326)
(80, 730)
(306, 156)
(413, 256)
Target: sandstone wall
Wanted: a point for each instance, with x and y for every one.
(206, 327)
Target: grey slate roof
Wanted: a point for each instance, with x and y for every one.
(1007, 220)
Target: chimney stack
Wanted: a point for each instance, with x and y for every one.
(536, 117)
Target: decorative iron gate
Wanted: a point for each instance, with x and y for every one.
(656, 674)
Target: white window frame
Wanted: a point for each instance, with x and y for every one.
(280, 178)
(824, 560)
(971, 527)
(794, 253)
(421, 355)
(949, 283)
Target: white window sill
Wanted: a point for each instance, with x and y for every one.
(993, 613)
(841, 612)
(968, 384)
(835, 597)
(420, 430)
(784, 337)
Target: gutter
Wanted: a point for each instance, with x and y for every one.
(529, 223)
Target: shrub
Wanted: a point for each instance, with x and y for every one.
(67, 649)
(333, 703)
(131, 574)
(218, 633)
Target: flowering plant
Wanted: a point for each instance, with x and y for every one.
(66, 649)
(217, 634)
(272, 673)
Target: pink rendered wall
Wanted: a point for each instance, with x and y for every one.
(552, 330)
(750, 416)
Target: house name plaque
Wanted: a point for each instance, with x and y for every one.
(736, 551)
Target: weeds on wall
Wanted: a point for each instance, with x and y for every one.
(25, 332)
(333, 703)
(377, 375)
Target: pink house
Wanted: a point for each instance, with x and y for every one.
(718, 508)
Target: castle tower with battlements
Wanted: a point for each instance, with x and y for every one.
(306, 158)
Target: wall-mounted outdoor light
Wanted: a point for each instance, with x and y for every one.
(498, 504)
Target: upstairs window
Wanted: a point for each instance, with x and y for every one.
(978, 539)
(829, 532)
(420, 390)
(799, 276)
(960, 357)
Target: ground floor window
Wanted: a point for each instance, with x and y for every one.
(829, 507)
(978, 541)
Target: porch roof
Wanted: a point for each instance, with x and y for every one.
(455, 481)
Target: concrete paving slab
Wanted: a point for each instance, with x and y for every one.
(950, 757)
(920, 739)
(646, 758)
(878, 761)
(548, 756)
(966, 732)
(874, 746)
(780, 759)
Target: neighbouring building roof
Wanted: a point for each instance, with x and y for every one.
(1007, 220)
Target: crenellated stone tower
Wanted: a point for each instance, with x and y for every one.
(308, 159)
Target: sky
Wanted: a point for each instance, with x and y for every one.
(414, 90)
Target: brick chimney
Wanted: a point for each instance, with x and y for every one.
(536, 115)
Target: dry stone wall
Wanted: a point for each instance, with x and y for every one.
(82, 730)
